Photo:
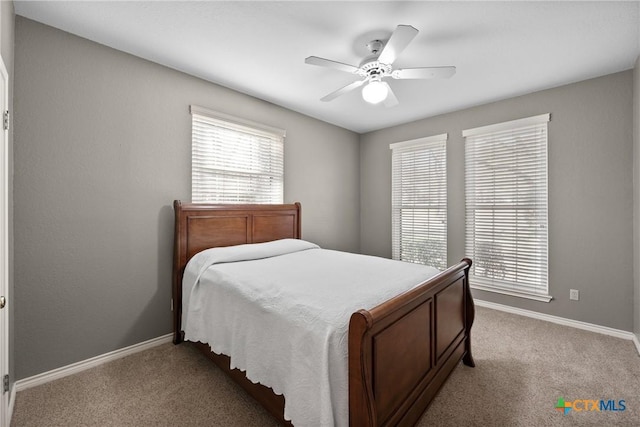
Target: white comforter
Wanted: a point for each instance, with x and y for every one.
(281, 311)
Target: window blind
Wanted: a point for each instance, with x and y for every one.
(234, 160)
(506, 189)
(419, 201)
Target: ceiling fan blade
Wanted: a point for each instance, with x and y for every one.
(424, 73)
(390, 100)
(314, 60)
(398, 41)
(342, 91)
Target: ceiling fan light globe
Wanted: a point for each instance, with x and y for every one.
(375, 92)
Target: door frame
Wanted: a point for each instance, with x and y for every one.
(5, 413)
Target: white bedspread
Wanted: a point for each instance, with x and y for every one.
(281, 311)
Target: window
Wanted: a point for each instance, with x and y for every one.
(234, 160)
(419, 201)
(506, 207)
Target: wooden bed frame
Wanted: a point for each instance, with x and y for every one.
(400, 352)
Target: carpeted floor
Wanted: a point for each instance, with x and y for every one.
(523, 366)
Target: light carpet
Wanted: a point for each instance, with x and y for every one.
(523, 366)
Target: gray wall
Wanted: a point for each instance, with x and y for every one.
(590, 185)
(636, 197)
(7, 17)
(102, 148)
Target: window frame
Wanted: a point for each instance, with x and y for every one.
(437, 144)
(258, 178)
(537, 231)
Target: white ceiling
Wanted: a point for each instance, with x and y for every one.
(500, 49)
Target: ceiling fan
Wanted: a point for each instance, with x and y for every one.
(379, 65)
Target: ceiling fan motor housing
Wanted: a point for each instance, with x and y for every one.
(370, 67)
(374, 68)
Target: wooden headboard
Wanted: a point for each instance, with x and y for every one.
(203, 226)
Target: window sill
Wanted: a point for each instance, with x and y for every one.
(535, 297)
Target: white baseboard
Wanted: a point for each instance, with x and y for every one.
(74, 368)
(637, 343)
(618, 333)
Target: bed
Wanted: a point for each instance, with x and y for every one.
(400, 352)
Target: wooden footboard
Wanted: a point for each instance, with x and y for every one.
(402, 351)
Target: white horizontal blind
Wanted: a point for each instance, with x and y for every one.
(506, 206)
(419, 201)
(232, 162)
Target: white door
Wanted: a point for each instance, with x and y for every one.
(4, 246)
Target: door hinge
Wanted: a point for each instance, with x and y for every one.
(5, 120)
(5, 383)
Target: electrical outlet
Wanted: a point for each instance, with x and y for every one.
(574, 294)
